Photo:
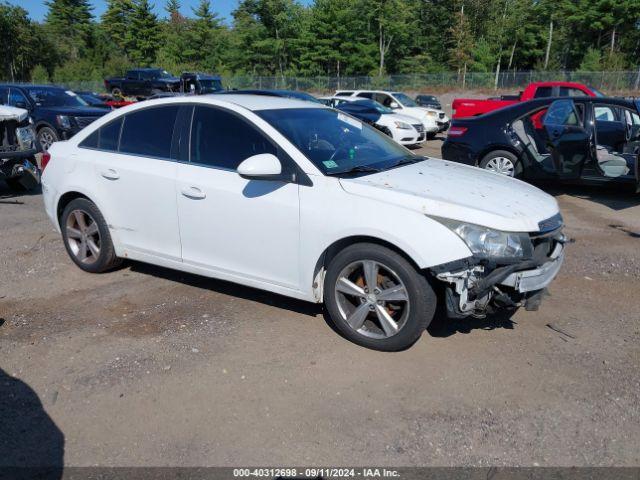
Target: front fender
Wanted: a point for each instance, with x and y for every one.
(323, 223)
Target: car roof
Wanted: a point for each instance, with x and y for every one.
(23, 85)
(250, 102)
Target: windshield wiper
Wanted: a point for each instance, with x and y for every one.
(408, 159)
(356, 169)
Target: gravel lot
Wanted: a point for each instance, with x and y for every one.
(146, 366)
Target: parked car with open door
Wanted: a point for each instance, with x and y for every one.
(582, 139)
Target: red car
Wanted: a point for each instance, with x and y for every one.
(471, 107)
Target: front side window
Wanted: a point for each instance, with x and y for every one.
(571, 92)
(149, 132)
(562, 113)
(222, 139)
(336, 143)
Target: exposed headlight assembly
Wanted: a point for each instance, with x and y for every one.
(431, 113)
(403, 126)
(491, 244)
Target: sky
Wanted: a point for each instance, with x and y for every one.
(37, 9)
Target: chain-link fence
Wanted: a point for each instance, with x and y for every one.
(624, 81)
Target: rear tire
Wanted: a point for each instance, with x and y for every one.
(86, 237)
(117, 93)
(393, 316)
(502, 162)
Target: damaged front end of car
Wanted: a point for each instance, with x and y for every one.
(18, 148)
(507, 270)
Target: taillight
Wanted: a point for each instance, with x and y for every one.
(44, 160)
(456, 131)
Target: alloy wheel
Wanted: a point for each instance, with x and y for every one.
(501, 165)
(372, 299)
(46, 139)
(83, 236)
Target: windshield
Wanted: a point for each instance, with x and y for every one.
(405, 99)
(55, 97)
(598, 93)
(210, 86)
(335, 142)
(379, 107)
(426, 98)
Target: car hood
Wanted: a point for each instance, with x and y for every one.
(167, 80)
(12, 113)
(398, 117)
(76, 111)
(458, 192)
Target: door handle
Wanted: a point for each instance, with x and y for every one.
(193, 193)
(110, 174)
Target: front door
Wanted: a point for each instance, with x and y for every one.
(567, 139)
(228, 224)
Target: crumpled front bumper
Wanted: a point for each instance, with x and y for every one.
(474, 288)
(539, 278)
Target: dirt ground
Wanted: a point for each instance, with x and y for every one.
(146, 366)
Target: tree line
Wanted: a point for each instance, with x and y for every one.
(325, 38)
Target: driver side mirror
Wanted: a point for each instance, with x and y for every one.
(264, 166)
(394, 105)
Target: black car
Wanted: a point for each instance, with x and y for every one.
(93, 100)
(200, 83)
(277, 93)
(57, 114)
(580, 139)
(430, 101)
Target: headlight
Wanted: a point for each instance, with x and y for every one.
(491, 244)
(403, 126)
(431, 113)
(63, 121)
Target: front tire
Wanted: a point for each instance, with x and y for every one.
(502, 162)
(376, 298)
(86, 237)
(46, 137)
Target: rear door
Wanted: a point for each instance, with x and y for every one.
(567, 139)
(136, 173)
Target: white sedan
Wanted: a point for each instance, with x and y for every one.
(301, 200)
(434, 120)
(403, 129)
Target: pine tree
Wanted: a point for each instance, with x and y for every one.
(143, 36)
(116, 22)
(69, 23)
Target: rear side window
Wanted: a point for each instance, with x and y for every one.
(105, 138)
(222, 139)
(542, 92)
(149, 132)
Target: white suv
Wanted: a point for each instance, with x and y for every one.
(298, 199)
(434, 121)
